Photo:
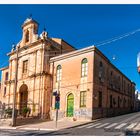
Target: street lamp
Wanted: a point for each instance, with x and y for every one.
(15, 89)
(57, 102)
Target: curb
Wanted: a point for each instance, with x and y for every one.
(37, 129)
(13, 128)
(27, 128)
(47, 129)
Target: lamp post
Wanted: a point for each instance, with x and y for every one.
(15, 90)
(57, 102)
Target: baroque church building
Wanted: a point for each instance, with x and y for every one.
(89, 86)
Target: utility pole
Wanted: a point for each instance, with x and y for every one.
(15, 90)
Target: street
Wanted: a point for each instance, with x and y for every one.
(115, 126)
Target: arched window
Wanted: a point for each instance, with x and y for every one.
(84, 71)
(58, 73)
(27, 36)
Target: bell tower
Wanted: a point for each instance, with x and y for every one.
(30, 31)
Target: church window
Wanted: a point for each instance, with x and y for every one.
(4, 91)
(6, 76)
(25, 66)
(83, 99)
(84, 69)
(27, 36)
(58, 73)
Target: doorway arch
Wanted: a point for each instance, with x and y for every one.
(70, 105)
(23, 97)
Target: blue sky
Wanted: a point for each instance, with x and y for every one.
(81, 26)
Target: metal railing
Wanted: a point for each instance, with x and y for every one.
(22, 110)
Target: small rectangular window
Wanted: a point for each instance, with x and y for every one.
(25, 66)
(83, 99)
(100, 99)
(4, 91)
(6, 76)
(118, 102)
(110, 101)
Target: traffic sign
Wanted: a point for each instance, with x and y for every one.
(57, 98)
(57, 105)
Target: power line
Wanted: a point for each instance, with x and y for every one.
(117, 38)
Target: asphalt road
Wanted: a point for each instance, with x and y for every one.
(115, 126)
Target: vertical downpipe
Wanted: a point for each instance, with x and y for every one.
(43, 81)
(93, 74)
(51, 96)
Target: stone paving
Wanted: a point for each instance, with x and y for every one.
(47, 125)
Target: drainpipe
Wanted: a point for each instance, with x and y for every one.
(93, 74)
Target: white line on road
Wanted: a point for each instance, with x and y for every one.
(85, 125)
(113, 124)
(102, 125)
(93, 125)
(120, 126)
(131, 126)
(137, 127)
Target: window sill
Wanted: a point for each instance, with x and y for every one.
(82, 106)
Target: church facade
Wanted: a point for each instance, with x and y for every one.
(89, 86)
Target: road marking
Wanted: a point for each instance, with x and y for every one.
(113, 124)
(85, 125)
(120, 126)
(131, 126)
(102, 125)
(93, 125)
(137, 127)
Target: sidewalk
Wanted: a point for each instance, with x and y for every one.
(49, 125)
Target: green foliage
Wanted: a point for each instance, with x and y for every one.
(25, 110)
(8, 111)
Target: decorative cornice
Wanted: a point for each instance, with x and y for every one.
(4, 68)
(39, 74)
(9, 82)
(73, 53)
(39, 41)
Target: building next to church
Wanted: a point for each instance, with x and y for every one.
(89, 85)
